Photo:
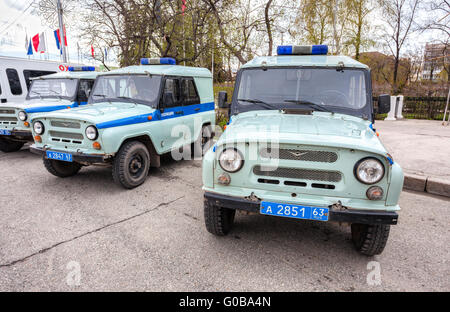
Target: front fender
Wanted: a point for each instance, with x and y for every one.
(208, 168)
(113, 138)
(395, 185)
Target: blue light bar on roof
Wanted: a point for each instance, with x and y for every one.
(317, 49)
(80, 68)
(158, 61)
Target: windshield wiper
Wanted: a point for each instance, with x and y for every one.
(256, 101)
(40, 95)
(102, 95)
(310, 104)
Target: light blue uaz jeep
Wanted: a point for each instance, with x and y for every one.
(47, 93)
(301, 144)
(134, 115)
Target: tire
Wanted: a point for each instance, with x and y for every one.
(370, 239)
(131, 165)
(61, 169)
(218, 220)
(203, 143)
(7, 146)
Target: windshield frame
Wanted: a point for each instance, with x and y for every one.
(53, 96)
(131, 100)
(365, 112)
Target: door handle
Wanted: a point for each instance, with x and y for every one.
(179, 113)
(197, 109)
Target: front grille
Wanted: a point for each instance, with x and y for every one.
(69, 135)
(297, 173)
(8, 120)
(303, 155)
(65, 124)
(7, 111)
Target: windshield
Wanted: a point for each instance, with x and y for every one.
(323, 89)
(53, 88)
(142, 89)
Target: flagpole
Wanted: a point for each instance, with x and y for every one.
(61, 30)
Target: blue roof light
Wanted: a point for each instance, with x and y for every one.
(80, 68)
(317, 49)
(158, 61)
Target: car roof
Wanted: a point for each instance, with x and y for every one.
(305, 60)
(169, 70)
(69, 74)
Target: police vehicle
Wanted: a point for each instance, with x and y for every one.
(47, 93)
(301, 144)
(135, 114)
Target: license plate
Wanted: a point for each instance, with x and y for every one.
(5, 132)
(294, 211)
(59, 156)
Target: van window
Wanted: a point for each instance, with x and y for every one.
(14, 81)
(189, 92)
(27, 73)
(173, 86)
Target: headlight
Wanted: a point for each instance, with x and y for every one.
(369, 170)
(38, 127)
(91, 133)
(231, 160)
(22, 115)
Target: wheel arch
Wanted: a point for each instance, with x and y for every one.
(147, 141)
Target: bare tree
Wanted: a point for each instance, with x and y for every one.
(399, 17)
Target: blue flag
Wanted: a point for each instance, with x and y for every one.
(30, 49)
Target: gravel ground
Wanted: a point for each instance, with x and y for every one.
(86, 233)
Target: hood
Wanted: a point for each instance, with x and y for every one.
(319, 128)
(100, 112)
(36, 103)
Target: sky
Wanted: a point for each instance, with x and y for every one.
(20, 18)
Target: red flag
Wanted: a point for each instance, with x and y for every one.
(183, 6)
(92, 50)
(59, 36)
(36, 42)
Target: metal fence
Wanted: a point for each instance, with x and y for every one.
(419, 107)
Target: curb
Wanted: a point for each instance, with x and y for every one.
(430, 185)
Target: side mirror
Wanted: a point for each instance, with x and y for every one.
(168, 99)
(223, 97)
(384, 104)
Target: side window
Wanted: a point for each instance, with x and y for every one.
(14, 81)
(33, 74)
(190, 94)
(172, 86)
(84, 90)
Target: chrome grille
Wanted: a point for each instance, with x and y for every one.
(69, 135)
(303, 155)
(8, 120)
(297, 173)
(65, 124)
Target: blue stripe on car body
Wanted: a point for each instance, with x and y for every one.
(168, 113)
(46, 109)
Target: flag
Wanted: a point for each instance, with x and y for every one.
(183, 6)
(41, 46)
(58, 40)
(35, 40)
(26, 42)
(30, 48)
(106, 55)
(92, 50)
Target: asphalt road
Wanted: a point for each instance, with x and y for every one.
(86, 233)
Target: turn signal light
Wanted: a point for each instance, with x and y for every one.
(149, 117)
(38, 138)
(374, 193)
(26, 124)
(96, 145)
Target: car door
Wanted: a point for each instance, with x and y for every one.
(171, 124)
(191, 108)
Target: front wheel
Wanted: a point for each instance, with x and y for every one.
(370, 239)
(61, 169)
(7, 146)
(131, 165)
(218, 220)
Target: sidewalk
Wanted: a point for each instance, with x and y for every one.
(422, 148)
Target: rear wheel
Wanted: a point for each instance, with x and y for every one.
(10, 146)
(218, 220)
(131, 165)
(370, 239)
(61, 169)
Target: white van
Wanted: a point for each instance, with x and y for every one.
(15, 74)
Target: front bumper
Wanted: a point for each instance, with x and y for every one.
(19, 135)
(76, 157)
(336, 215)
